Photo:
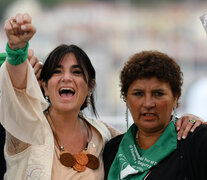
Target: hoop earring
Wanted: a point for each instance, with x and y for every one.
(126, 118)
(88, 100)
(174, 114)
(47, 99)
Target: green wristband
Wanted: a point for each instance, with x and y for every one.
(16, 56)
(2, 58)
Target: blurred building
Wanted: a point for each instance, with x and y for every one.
(111, 32)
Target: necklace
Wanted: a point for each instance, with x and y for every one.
(79, 161)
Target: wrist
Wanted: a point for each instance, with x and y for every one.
(13, 46)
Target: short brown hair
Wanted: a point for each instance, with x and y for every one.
(149, 64)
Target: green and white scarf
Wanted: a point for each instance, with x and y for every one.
(129, 163)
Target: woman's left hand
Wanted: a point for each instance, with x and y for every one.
(187, 123)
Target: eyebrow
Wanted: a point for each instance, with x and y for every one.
(76, 66)
(158, 89)
(73, 66)
(138, 89)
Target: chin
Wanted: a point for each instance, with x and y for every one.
(65, 108)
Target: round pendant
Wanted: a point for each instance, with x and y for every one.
(79, 167)
(67, 159)
(93, 161)
(81, 158)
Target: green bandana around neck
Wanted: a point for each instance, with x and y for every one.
(130, 164)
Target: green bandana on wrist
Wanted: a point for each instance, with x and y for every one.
(130, 164)
(16, 56)
(2, 58)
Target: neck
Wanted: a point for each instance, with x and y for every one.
(69, 131)
(65, 123)
(146, 140)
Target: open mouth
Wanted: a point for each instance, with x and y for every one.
(66, 92)
(148, 114)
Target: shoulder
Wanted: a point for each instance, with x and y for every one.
(101, 128)
(198, 138)
(200, 132)
(115, 141)
(193, 150)
(114, 132)
(112, 146)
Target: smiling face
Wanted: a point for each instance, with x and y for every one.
(67, 89)
(150, 102)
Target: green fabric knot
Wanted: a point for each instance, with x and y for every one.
(16, 56)
(2, 58)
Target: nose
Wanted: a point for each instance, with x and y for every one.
(148, 102)
(66, 77)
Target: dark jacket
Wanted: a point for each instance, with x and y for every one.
(2, 160)
(187, 162)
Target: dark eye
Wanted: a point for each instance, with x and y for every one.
(57, 71)
(158, 93)
(77, 71)
(138, 93)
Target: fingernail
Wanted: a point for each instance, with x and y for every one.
(191, 130)
(178, 128)
(23, 27)
(179, 138)
(183, 137)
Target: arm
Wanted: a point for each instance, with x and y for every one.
(21, 100)
(14, 145)
(19, 31)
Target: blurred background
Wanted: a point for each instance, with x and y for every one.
(111, 31)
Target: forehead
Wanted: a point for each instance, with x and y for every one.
(68, 59)
(149, 83)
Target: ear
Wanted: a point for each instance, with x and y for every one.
(175, 105)
(127, 105)
(44, 86)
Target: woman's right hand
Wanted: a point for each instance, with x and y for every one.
(19, 30)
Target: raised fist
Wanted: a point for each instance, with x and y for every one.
(19, 30)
